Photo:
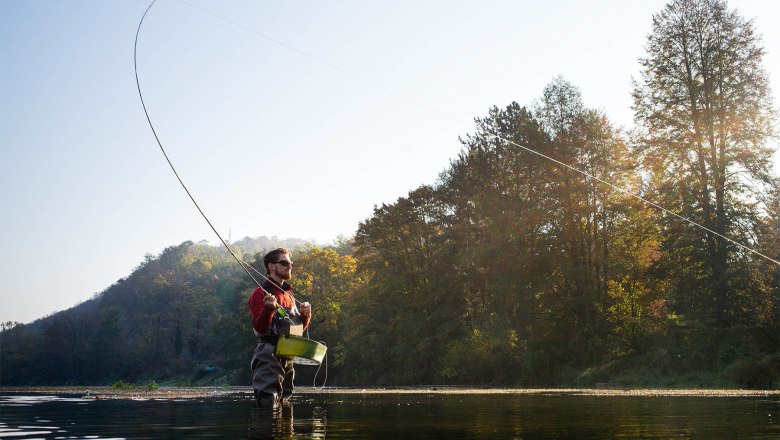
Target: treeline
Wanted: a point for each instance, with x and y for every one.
(531, 261)
(180, 318)
(176, 314)
(557, 249)
(516, 271)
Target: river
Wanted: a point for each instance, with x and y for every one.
(552, 414)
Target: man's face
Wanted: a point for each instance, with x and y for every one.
(282, 267)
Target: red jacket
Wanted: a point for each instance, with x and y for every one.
(263, 317)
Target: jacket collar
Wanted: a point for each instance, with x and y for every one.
(272, 287)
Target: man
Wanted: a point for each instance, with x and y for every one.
(273, 314)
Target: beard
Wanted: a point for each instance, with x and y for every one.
(282, 274)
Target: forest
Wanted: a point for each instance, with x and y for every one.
(555, 250)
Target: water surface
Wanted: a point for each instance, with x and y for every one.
(385, 416)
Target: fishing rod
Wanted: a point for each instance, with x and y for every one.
(241, 262)
(244, 265)
(313, 351)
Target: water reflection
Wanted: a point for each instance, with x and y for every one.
(279, 423)
(36, 426)
(356, 416)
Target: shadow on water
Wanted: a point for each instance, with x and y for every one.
(358, 416)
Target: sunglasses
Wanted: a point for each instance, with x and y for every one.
(285, 263)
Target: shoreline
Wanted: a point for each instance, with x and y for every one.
(104, 392)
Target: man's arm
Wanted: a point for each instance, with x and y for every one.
(261, 315)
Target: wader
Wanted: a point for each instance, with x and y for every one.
(272, 376)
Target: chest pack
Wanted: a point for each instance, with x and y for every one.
(287, 321)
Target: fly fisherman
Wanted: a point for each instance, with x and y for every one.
(273, 314)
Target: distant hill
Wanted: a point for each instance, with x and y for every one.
(177, 314)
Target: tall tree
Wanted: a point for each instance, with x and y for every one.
(704, 106)
(399, 317)
(497, 197)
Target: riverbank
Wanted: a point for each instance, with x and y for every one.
(246, 392)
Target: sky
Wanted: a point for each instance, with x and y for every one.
(288, 119)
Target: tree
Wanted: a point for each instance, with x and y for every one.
(66, 343)
(398, 317)
(704, 107)
(21, 360)
(497, 199)
(104, 346)
(587, 219)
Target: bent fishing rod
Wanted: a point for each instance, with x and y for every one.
(244, 265)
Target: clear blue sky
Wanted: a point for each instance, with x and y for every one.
(270, 141)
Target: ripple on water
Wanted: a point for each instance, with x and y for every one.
(385, 416)
(33, 400)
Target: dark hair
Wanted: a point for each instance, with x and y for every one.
(273, 256)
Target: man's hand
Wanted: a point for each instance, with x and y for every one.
(269, 301)
(305, 309)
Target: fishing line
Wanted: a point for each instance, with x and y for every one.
(451, 118)
(280, 288)
(244, 265)
(636, 196)
(167, 159)
(315, 58)
(271, 281)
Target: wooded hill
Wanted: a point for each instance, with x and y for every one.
(511, 269)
